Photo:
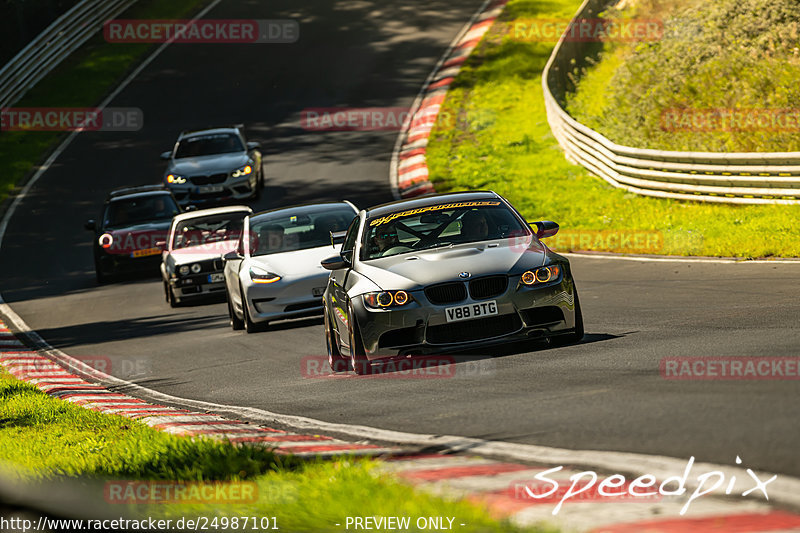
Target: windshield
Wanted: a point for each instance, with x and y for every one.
(222, 143)
(204, 230)
(297, 229)
(439, 226)
(129, 212)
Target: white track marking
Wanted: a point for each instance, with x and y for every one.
(50, 160)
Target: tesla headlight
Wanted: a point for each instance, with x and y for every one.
(541, 275)
(384, 299)
(183, 270)
(175, 178)
(259, 275)
(244, 171)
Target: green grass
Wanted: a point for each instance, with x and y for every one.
(501, 141)
(318, 496)
(726, 54)
(82, 80)
(42, 436)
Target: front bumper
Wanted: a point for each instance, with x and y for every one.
(421, 326)
(111, 264)
(287, 298)
(197, 285)
(229, 190)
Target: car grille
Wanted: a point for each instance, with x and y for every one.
(209, 180)
(488, 287)
(401, 337)
(303, 306)
(473, 330)
(209, 265)
(446, 293)
(536, 316)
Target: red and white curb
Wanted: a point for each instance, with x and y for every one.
(30, 366)
(496, 485)
(409, 169)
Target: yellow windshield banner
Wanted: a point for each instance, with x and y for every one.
(440, 207)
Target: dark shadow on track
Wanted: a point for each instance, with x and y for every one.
(129, 330)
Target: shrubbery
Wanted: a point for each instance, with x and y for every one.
(720, 54)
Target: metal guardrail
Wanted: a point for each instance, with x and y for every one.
(736, 177)
(53, 45)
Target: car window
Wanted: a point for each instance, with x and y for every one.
(131, 211)
(435, 226)
(200, 145)
(296, 229)
(351, 236)
(204, 230)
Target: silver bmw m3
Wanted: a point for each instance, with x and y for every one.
(444, 272)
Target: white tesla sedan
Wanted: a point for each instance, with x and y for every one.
(275, 271)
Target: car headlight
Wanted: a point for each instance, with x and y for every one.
(384, 299)
(244, 171)
(183, 270)
(541, 275)
(196, 268)
(175, 178)
(106, 240)
(259, 275)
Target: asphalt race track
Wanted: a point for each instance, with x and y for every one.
(603, 394)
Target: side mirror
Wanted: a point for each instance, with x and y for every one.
(231, 256)
(545, 228)
(337, 237)
(166, 155)
(253, 145)
(90, 225)
(336, 262)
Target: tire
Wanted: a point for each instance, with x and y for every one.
(337, 362)
(235, 322)
(249, 325)
(173, 302)
(101, 276)
(577, 334)
(259, 186)
(358, 358)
